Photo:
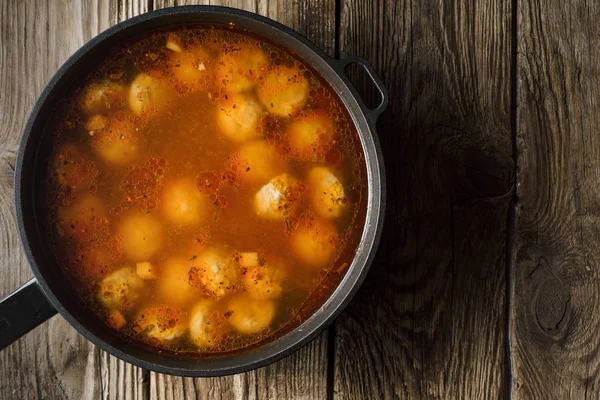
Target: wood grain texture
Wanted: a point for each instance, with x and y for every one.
(53, 361)
(556, 313)
(429, 321)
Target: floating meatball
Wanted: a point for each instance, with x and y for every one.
(161, 323)
(215, 272)
(257, 162)
(238, 116)
(82, 218)
(277, 198)
(102, 97)
(141, 235)
(189, 70)
(114, 139)
(239, 67)
(326, 193)
(121, 289)
(183, 204)
(283, 91)
(261, 279)
(175, 283)
(248, 315)
(315, 243)
(205, 329)
(72, 169)
(148, 95)
(146, 270)
(309, 135)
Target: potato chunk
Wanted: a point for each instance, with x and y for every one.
(240, 66)
(257, 162)
(102, 97)
(174, 282)
(238, 116)
(161, 323)
(326, 193)
(250, 315)
(141, 235)
(309, 134)
(277, 198)
(283, 91)
(121, 289)
(315, 243)
(149, 95)
(183, 204)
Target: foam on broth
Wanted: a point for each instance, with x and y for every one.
(206, 191)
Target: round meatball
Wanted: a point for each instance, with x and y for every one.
(182, 203)
(315, 243)
(262, 281)
(309, 135)
(215, 273)
(82, 218)
(115, 139)
(238, 116)
(141, 236)
(189, 70)
(174, 282)
(326, 193)
(277, 198)
(148, 95)
(250, 315)
(161, 323)
(257, 162)
(102, 97)
(283, 91)
(239, 67)
(121, 289)
(205, 329)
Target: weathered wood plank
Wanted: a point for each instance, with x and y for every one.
(429, 321)
(556, 313)
(53, 361)
(303, 375)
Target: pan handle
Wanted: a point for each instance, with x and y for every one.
(371, 114)
(23, 310)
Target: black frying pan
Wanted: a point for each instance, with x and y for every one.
(44, 296)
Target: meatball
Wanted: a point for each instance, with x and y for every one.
(141, 236)
(148, 95)
(240, 66)
(257, 162)
(83, 218)
(182, 203)
(72, 170)
(121, 289)
(309, 135)
(326, 193)
(215, 272)
(250, 315)
(315, 243)
(205, 328)
(174, 282)
(238, 116)
(283, 91)
(161, 323)
(277, 198)
(102, 97)
(262, 280)
(115, 139)
(189, 70)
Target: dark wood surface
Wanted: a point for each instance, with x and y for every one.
(486, 283)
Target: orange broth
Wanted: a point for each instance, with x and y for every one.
(206, 191)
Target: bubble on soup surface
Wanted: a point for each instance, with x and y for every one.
(214, 271)
(309, 135)
(148, 95)
(256, 162)
(326, 193)
(102, 97)
(174, 281)
(141, 236)
(72, 169)
(262, 279)
(283, 91)
(182, 203)
(239, 66)
(248, 315)
(115, 139)
(314, 242)
(121, 289)
(81, 218)
(161, 323)
(238, 116)
(277, 199)
(205, 328)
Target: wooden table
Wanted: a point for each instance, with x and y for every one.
(487, 280)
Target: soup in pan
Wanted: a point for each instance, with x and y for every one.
(206, 190)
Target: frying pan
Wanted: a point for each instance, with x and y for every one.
(44, 296)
